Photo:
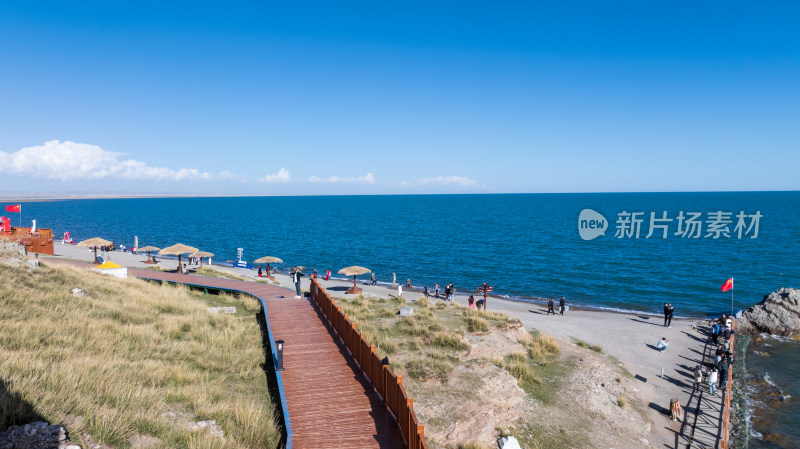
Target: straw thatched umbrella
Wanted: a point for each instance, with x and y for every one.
(178, 249)
(268, 260)
(201, 254)
(94, 243)
(354, 271)
(148, 250)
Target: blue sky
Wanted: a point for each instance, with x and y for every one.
(375, 97)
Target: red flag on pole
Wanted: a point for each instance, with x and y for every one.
(14, 208)
(727, 285)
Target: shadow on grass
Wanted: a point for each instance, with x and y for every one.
(272, 379)
(14, 410)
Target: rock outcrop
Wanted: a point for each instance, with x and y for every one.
(37, 435)
(777, 314)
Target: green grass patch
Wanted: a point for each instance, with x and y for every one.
(449, 341)
(585, 345)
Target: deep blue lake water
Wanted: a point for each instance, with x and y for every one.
(525, 245)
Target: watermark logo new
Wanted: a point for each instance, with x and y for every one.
(591, 224)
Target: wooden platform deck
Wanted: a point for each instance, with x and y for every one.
(330, 403)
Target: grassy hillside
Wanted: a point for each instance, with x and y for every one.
(129, 359)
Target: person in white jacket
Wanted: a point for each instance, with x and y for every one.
(712, 380)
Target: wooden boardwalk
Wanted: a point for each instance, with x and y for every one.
(330, 403)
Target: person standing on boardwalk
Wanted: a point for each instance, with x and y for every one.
(562, 305)
(296, 279)
(668, 311)
(712, 380)
(715, 331)
(698, 377)
(372, 278)
(550, 306)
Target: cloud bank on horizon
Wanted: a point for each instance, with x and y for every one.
(66, 161)
(72, 161)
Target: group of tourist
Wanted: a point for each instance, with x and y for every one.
(716, 374)
(562, 306)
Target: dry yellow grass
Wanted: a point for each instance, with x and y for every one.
(112, 363)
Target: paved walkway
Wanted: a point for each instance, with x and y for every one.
(702, 424)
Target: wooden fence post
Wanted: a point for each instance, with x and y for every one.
(410, 405)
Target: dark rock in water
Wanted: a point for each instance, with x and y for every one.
(778, 314)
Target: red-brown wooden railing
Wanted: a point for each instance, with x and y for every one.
(384, 381)
(726, 414)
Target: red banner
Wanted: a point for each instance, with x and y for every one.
(727, 285)
(14, 208)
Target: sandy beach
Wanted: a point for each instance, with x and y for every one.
(629, 338)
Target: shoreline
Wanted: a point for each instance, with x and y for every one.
(534, 300)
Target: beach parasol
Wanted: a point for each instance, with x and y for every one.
(354, 271)
(178, 249)
(202, 254)
(268, 260)
(148, 250)
(94, 243)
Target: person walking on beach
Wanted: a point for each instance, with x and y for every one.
(662, 345)
(399, 290)
(328, 274)
(372, 278)
(296, 279)
(550, 307)
(668, 311)
(471, 302)
(436, 291)
(259, 272)
(712, 380)
(562, 305)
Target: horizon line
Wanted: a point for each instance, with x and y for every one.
(39, 197)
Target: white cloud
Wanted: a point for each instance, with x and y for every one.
(68, 160)
(281, 176)
(447, 180)
(366, 179)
